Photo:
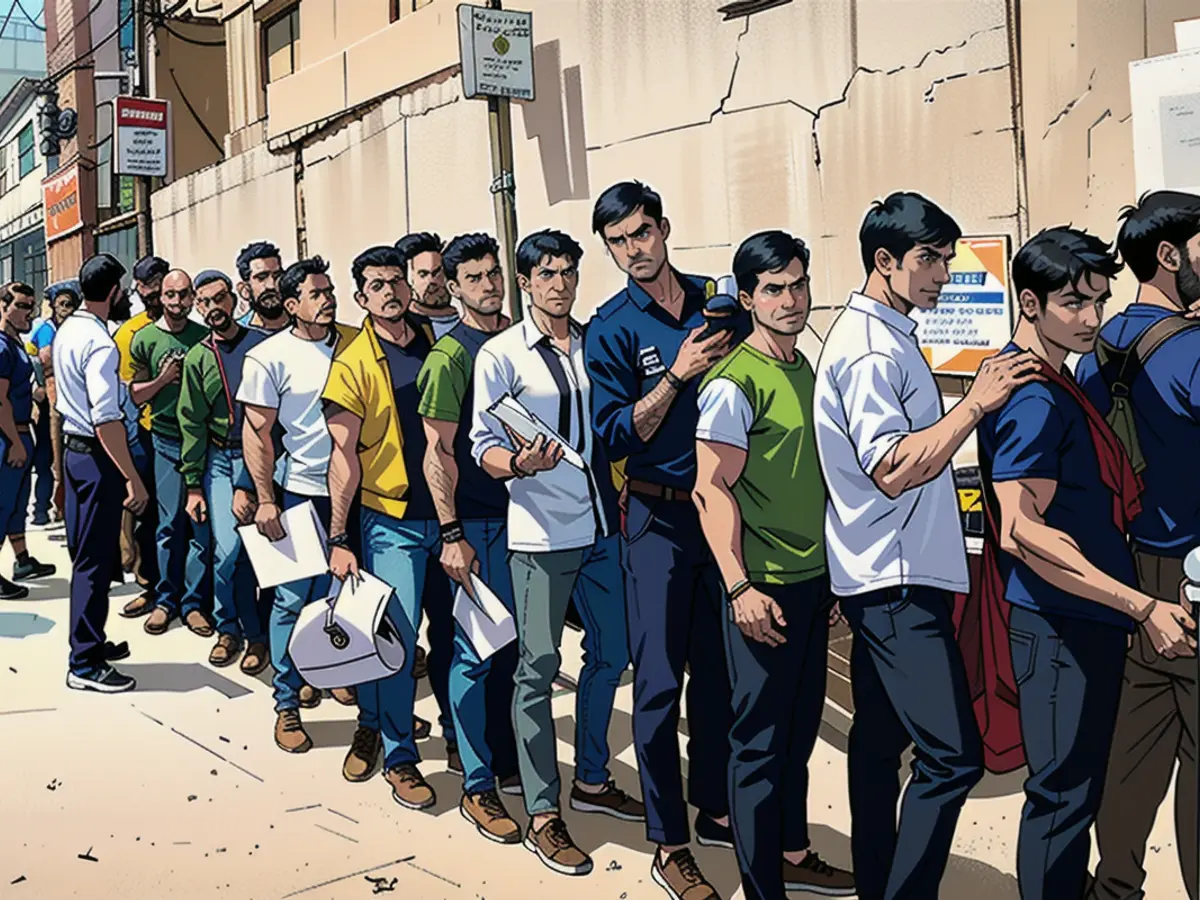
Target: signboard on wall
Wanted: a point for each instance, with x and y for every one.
(60, 196)
(142, 124)
(973, 319)
(1164, 93)
(496, 50)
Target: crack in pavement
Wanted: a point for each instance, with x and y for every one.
(338, 833)
(316, 887)
(433, 874)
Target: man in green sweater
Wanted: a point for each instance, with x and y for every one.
(157, 353)
(210, 423)
(762, 507)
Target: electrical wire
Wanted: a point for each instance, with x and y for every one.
(32, 21)
(195, 115)
(77, 63)
(4, 27)
(161, 22)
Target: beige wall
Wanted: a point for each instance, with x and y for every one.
(193, 78)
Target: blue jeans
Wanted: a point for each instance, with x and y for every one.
(43, 465)
(235, 605)
(290, 599)
(184, 584)
(14, 489)
(397, 552)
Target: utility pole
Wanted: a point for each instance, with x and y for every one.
(137, 88)
(504, 191)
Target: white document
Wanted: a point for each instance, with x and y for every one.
(512, 413)
(301, 553)
(1187, 35)
(488, 625)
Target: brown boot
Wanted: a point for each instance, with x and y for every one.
(139, 606)
(346, 696)
(421, 728)
(420, 668)
(681, 877)
(255, 659)
(225, 651)
(363, 756)
(158, 622)
(310, 697)
(290, 734)
(409, 788)
(198, 624)
(554, 847)
(490, 818)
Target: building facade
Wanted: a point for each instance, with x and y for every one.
(22, 167)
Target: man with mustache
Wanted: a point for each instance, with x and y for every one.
(211, 463)
(1144, 378)
(260, 266)
(157, 352)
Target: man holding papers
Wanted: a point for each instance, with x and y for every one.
(562, 531)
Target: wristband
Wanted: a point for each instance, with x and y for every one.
(452, 532)
(673, 380)
(339, 540)
(738, 589)
(517, 471)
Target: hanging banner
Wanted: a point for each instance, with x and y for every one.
(60, 194)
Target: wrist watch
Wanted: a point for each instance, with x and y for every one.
(339, 540)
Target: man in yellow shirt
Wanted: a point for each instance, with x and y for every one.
(138, 551)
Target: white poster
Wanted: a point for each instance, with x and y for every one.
(1165, 95)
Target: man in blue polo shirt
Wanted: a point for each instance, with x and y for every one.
(1156, 719)
(645, 351)
(1066, 494)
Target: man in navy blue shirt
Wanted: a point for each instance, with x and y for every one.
(1066, 494)
(1156, 720)
(644, 351)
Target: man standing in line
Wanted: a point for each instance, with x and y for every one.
(211, 463)
(427, 277)
(1066, 493)
(157, 352)
(139, 541)
(471, 507)
(644, 350)
(895, 548)
(17, 304)
(260, 268)
(562, 531)
(63, 300)
(1146, 367)
(378, 444)
(282, 381)
(101, 478)
(762, 507)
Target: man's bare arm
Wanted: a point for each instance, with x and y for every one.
(921, 456)
(258, 449)
(441, 467)
(345, 468)
(115, 441)
(8, 422)
(649, 412)
(718, 467)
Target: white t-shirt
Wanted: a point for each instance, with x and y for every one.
(725, 414)
(288, 374)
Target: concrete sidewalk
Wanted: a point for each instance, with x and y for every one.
(176, 790)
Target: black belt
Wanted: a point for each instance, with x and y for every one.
(224, 443)
(82, 444)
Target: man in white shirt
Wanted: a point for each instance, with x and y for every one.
(895, 547)
(562, 531)
(100, 473)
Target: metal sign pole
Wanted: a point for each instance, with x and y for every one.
(137, 88)
(504, 192)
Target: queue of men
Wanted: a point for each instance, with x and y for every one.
(708, 503)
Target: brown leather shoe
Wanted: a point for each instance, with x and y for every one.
(158, 622)
(290, 734)
(420, 668)
(255, 659)
(556, 850)
(139, 606)
(346, 696)
(612, 801)
(409, 788)
(310, 697)
(421, 728)
(681, 877)
(818, 877)
(225, 651)
(198, 624)
(363, 756)
(490, 818)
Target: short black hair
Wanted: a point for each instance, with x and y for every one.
(900, 222)
(15, 287)
(1170, 216)
(767, 251)
(1057, 257)
(541, 244)
(150, 267)
(99, 275)
(416, 243)
(293, 277)
(251, 252)
(209, 276)
(466, 248)
(621, 201)
(375, 256)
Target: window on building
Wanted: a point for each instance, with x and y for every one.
(6, 180)
(281, 45)
(25, 150)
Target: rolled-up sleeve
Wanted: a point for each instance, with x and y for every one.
(100, 370)
(609, 359)
(871, 388)
(492, 381)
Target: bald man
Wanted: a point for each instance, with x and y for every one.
(157, 353)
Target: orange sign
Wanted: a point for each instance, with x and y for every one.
(60, 193)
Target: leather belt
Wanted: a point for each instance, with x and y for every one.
(23, 428)
(657, 491)
(224, 443)
(81, 444)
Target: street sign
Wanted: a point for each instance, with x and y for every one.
(142, 124)
(60, 194)
(496, 50)
(973, 319)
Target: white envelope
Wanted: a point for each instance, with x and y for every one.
(301, 553)
(488, 625)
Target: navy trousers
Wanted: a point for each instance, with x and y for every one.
(146, 524)
(910, 688)
(674, 603)
(1069, 674)
(95, 492)
(43, 465)
(778, 696)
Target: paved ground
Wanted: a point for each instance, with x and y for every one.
(177, 791)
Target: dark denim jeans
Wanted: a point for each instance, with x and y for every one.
(184, 559)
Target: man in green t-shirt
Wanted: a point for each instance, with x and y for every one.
(157, 354)
(762, 507)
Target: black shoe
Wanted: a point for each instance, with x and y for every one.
(114, 652)
(10, 591)
(31, 569)
(709, 833)
(41, 521)
(103, 678)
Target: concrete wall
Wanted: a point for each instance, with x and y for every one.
(191, 73)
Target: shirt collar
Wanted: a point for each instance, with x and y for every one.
(533, 335)
(644, 301)
(890, 317)
(84, 314)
